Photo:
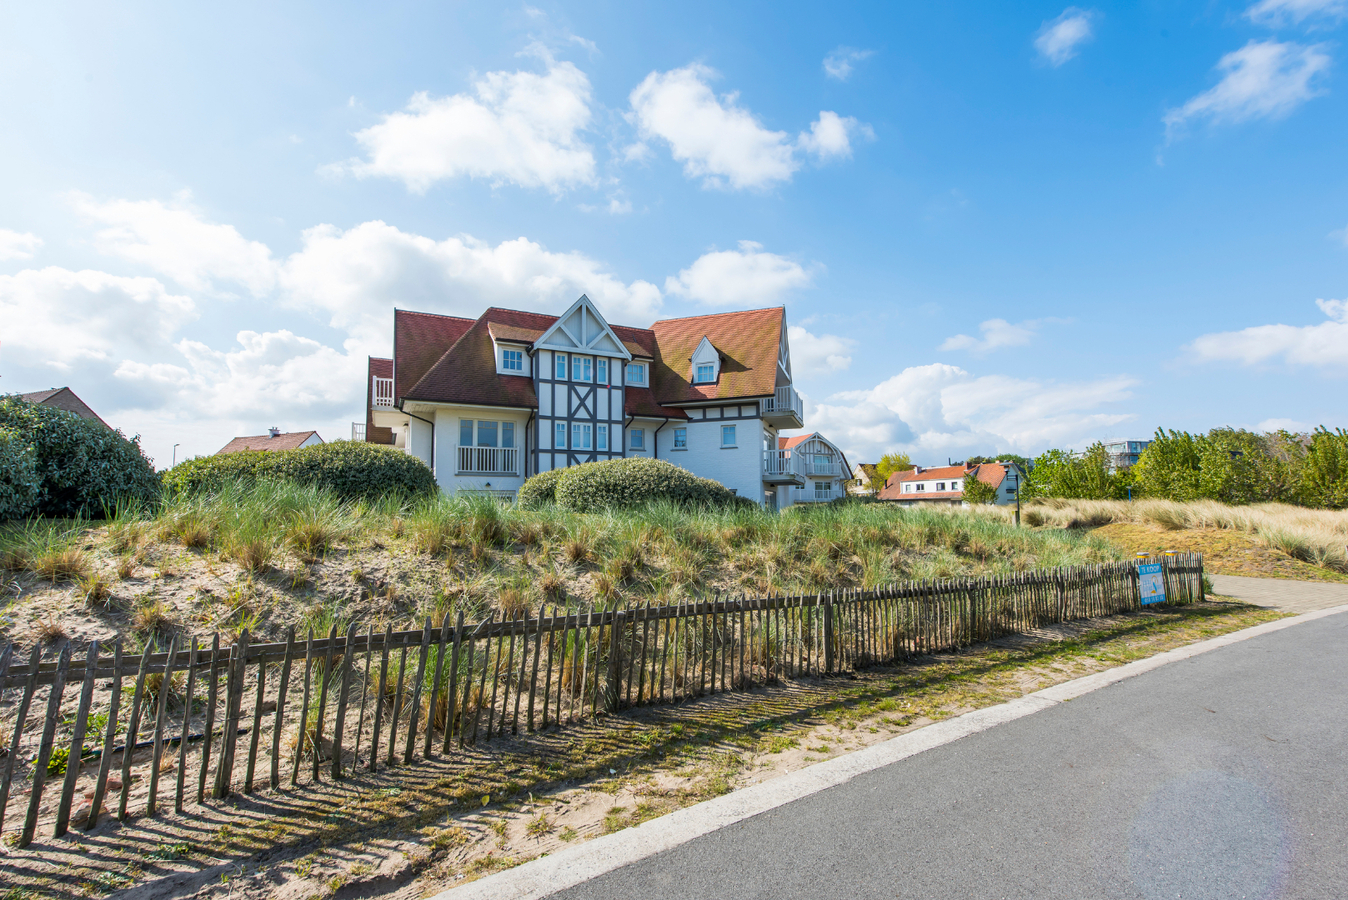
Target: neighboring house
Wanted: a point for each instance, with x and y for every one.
(863, 483)
(380, 374)
(944, 485)
(1124, 454)
(63, 398)
(822, 463)
(488, 402)
(274, 439)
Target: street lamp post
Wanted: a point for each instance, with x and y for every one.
(175, 455)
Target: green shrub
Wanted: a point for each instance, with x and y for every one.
(351, 470)
(621, 483)
(83, 467)
(539, 490)
(20, 485)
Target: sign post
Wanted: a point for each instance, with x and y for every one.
(1151, 583)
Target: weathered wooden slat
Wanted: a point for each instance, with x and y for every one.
(452, 698)
(234, 706)
(186, 731)
(323, 681)
(533, 675)
(414, 719)
(519, 678)
(364, 695)
(396, 712)
(212, 691)
(547, 674)
(339, 722)
(45, 747)
(132, 733)
(109, 737)
(278, 722)
(16, 736)
(75, 752)
(250, 768)
(302, 736)
(379, 698)
(160, 719)
(427, 748)
(468, 682)
(494, 646)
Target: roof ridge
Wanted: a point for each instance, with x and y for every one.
(732, 312)
(435, 365)
(414, 312)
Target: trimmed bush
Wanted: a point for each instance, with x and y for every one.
(539, 490)
(352, 470)
(20, 485)
(83, 466)
(619, 483)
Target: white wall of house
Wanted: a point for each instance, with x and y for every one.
(739, 466)
(484, 463)
(418, 439)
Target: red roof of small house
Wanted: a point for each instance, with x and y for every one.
(748, 342)
(286, 441)
(786, 443)
(63, 398)
(989, 473)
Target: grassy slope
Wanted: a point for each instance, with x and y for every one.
(1224, 552)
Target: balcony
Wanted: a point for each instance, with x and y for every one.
(381, 392)
(784, 409)
(780, 467)
(358, 431)
(815, 495)
(819, 465)
(488, 461)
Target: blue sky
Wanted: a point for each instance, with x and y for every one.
(994, 226)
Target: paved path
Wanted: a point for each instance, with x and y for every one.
(1281, 593)
(1221, 775)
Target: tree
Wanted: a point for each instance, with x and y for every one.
(888, 465)
(1325, 481)
(977, 491)
(1062, 473)
(1169, 467)
(1022, 461)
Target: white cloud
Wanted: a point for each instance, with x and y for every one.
(1281, 12)
(830, 136)
(1058, 39)
(1324, 345)
(61, 319)
(1263, 79)
(353, 277)
(18, 244)
(812, 353)
(996, 333)
(175, 240)
(721, 142)
(518, 127)
(1292, 425)
(745, 277)
(838, 64)
(938, 410)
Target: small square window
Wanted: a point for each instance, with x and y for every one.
(940, 485)
(727, 435)
(636, 373)
(512, 360)
(561, 366)
(680, 438)
(706, 373)
(638, 439)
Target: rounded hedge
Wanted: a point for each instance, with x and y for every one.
(20, 485)
(352, 470)
(539, 490)
(633, 482)
(83, 467)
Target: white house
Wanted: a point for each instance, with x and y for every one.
(944, 485)
(274, 439)
(488, 402)
(821, 462)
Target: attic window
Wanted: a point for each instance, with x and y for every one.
(706, 373)
(636, 373)
(512, 360)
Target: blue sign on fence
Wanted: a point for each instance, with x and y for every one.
(1151, 583)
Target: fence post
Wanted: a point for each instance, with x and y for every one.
(828, 633)
(613, 668)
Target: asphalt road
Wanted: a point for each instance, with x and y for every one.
(1221, 776)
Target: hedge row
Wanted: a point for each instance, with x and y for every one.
(352, 470)
(621, 483)
(54, 463)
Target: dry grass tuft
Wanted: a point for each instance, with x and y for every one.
(95, 589)
(69, 564)
(153, 619)
(50, 630)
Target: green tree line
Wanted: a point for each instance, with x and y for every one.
(1227, 464)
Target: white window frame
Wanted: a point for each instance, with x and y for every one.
(907, 488)
(558, 428)
(680, 439)
(601, 371)
(509, 356)
(559, 366)
(636, 439)
(601, 437)
(705, 373)
(582, 436)
(582, 368)
(731, 430)
(921, 486)
(940, 486)
(636, 373)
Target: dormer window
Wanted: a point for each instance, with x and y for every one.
(706, 374)
(706, 362)
(636, 373)
(512, 360)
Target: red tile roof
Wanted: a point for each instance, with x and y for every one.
(641, 402)
(747, 341)
(786, 443)
(287, 441)
(989, 473)
(419, 339)
(466, 372)
(63, 398)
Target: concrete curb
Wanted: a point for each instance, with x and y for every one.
(575, 865)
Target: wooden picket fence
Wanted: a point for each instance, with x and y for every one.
(431, 689)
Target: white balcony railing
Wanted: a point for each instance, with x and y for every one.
(784, 403)
(357, 431)
(381, 392)
(489, 461)
(815, 495)
(819, 464)
(780, 464)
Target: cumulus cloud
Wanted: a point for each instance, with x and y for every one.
(721, 142)
(18, 244)
(175, 240)
(351, 277)
(1282, 12)
(1059, 39)
(517, 127)
(812, 353)
(1263, 79)
(1324, 345)
(838, 64)
(995, 334)
(937, 410)
(749, 276)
